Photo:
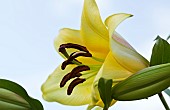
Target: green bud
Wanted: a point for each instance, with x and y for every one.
(14, 97)
(143, 84)
(11, 101)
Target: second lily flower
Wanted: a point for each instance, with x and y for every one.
(90, 53)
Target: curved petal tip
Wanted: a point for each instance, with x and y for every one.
(114, 20)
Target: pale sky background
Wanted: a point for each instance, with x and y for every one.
(28, 29)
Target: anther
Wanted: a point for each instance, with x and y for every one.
(77, 54)
(67, 62)
(72, 57)
(63, 51)
(79, 69)
(68, 77)
(71, 45)
(74, 73)
(74, 83)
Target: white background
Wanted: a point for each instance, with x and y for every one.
(28, 29)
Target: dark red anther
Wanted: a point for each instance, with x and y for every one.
(65, 63)
(77, 54)
(74, 83)
(71, 59)
(79, 69)
(63, 51)
(74, 73)
(71, 45)
(68, 77)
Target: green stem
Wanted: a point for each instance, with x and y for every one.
(105, 108)
(163, 101)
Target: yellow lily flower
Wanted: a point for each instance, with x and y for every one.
(92, 52)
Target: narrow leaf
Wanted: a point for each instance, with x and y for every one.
(105, 88)
(160, 52)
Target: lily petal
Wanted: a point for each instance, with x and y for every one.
(113, 70)
(95, 34)
(110, 69)
(123, 52)
(67, 35)
(52, 92)
(114, 20)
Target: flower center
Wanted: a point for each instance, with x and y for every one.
(76, 72)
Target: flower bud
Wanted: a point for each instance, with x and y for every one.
(14, 97)
(143, 84)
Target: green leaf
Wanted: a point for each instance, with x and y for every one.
(143, 84)
(14, 97)
(160, 52)
(105, 89)
(167, 91)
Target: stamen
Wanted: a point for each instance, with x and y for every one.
(77, 54)
(65, 63)
(80, 69)
(68, 77)
(75, 59)
(73, 84)
(71, 59)
(71, 45)
(63, 51)
(74, 73)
